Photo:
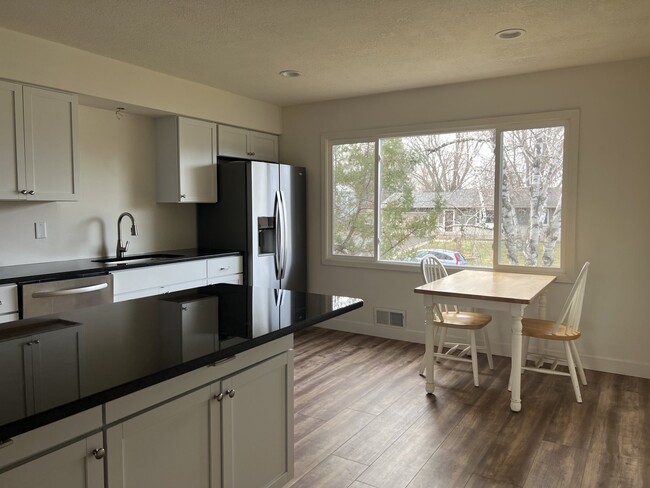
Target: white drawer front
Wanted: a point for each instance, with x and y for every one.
(159, 276)
(224, 266)
(8, 299)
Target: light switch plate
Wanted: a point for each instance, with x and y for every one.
(40, 229)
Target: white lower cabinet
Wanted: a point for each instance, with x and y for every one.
(68, 453)
(233, 433)
(226, 269)
(166, 278)
(257, 425)
(8, 303)
(71, 466)
(168, 446)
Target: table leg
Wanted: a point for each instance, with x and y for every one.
(429, 347)
(515, 368)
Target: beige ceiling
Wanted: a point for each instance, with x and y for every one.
(342, 47)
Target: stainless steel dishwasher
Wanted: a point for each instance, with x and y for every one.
(46, 297)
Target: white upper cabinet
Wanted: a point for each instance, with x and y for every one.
(247, 144)
(186, 160)
(38, 148)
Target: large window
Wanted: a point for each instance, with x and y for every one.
(489, 194)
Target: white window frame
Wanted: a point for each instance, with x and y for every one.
(570, 119)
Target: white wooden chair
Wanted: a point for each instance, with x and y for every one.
(445, 317)
(565, 329)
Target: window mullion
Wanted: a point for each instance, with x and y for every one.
(377, 199)
(498, 174)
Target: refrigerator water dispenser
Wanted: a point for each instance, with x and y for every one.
(266, 235)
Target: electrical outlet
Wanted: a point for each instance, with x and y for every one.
(40, 230)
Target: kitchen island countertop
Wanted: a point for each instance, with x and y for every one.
(105, 352)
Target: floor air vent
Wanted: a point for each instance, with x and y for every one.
(395, 318)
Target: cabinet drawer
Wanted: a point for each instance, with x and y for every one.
(49, 436)
(164, 275)
(8, 299)
(227, 265)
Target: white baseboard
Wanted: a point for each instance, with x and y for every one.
(596, 363)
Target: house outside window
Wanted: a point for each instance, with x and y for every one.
(393, 195)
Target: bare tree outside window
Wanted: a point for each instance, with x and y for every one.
(531, 180)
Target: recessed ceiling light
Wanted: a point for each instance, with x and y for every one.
(290, 73)
(508, 34)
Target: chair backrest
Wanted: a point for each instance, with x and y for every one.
(432, 270)
(572, 310)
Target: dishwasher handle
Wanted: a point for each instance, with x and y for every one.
(69, 291)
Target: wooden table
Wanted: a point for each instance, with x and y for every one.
(510, 292)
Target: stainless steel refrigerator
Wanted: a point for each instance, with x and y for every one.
(261, 212)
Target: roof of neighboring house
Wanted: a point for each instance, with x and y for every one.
(471, 197)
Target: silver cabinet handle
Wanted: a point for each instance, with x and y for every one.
(223, 268)
(24, 192)
(99, 453)
(183, 196)
(218, 397)
(31, 192)
(184, 308)
(69, 291)
(230, 393)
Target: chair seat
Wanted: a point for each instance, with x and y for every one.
(464, 320)
(543, 329)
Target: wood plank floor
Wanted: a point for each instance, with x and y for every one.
(363, 420)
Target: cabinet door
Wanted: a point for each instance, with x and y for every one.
(13, 382)
(188, 328)
(8, 302)
(263, 147)
(55, 367)
(72, 466)
(51, 162)
(233, 142)
(197, 146)
(12, 142)
(258, 424)
(166, 447)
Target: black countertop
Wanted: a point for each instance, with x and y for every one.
(58, 270)
(93, 355)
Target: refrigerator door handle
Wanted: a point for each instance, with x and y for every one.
(283, 236)
(278, 236)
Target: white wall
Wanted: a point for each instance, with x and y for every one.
(613, 201)
(117, 174)
(116, 156)
(32, 60)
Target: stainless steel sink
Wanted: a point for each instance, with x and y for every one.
(138, 258)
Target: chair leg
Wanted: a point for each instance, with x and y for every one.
(488, 349)
(441, 344)
(572, 371)
(576, 357)
(472, 342)
(422, 366)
